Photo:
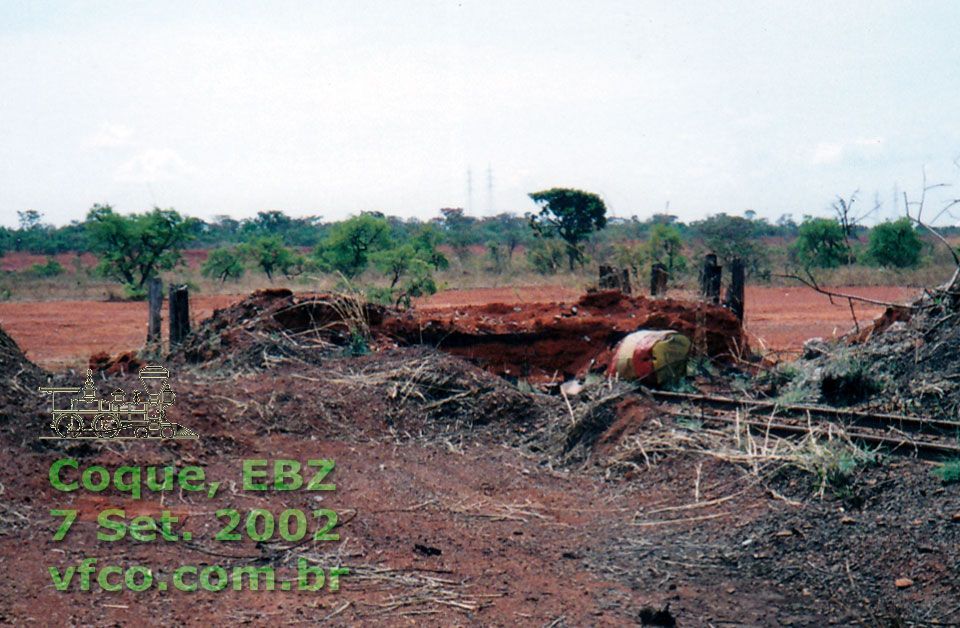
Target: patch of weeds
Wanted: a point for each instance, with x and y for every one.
(592, 379)
(380, 295)
(794, 396)
(133, 293)
(687, 423)
(846, 381)
(679, 385)
(357, 345)
(948, 472)
(702, 366)
(788, 372)
(834, 465)
(51, 269)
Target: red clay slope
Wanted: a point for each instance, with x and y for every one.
(536, 341)
(541, 341)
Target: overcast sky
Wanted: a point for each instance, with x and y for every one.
(332, 108)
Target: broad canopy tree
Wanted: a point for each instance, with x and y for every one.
(665, 246)
(271, 256)
(224, 264)
(895, 244)
(348, 247)
(570, 214)
(734, 237)
(821, 243)
(134, 248)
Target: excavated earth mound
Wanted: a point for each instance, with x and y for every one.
(907, 361)
(19, 377)
(537, 341)
(19, 380)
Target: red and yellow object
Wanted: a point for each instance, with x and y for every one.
(654, 357)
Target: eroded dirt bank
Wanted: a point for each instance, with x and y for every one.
(534, 341)
(52, 334)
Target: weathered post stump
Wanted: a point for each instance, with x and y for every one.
(734, 298)
(155, 292)
(179, 314)
(658, 279)
(710, 275)
(613, 278)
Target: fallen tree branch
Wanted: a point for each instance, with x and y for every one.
(811, 283)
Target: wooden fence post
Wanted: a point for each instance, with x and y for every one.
(613, 278)
(658, 279)
(710, 275)
(734, 299)
(155, 290)
(179, 314)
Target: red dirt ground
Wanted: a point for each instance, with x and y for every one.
(538, 342)
(19, 261)
(464, 501)
(548, 341)
(14, 261)
(446, 522)
(58, 335)
(780, 318)
(61, 334)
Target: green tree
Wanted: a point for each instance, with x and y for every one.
(821, 243)
(508, 230)
(546, 256)
(350, 243)
(457, 228)
(419, 283)
(571, 215)
(34, 236)
(133, 249)
(272, 222)
(498, 256)
(733, 237)
(426, 240)
(405, 262)
(51, 269)
(664, 246)
(30, 219)
(224, 264)
(895, 244)
(395, 262)
(271, 256)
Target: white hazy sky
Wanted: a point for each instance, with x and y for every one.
(333, 107)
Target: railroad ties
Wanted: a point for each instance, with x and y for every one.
(928, 439)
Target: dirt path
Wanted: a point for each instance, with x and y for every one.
(63, 334)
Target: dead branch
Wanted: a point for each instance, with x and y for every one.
(811, 282)
(936, 234)
(948, 288)
(854, 315)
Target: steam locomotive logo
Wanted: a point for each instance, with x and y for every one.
(89, 416)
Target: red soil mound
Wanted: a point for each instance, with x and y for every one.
(544, 341)
(537, 341)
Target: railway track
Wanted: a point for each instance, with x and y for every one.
(929, 439)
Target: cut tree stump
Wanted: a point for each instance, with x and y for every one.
(179, 314)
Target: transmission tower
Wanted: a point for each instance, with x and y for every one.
(469, 190)
(489, 190)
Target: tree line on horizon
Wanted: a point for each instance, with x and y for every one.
(570, 229)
